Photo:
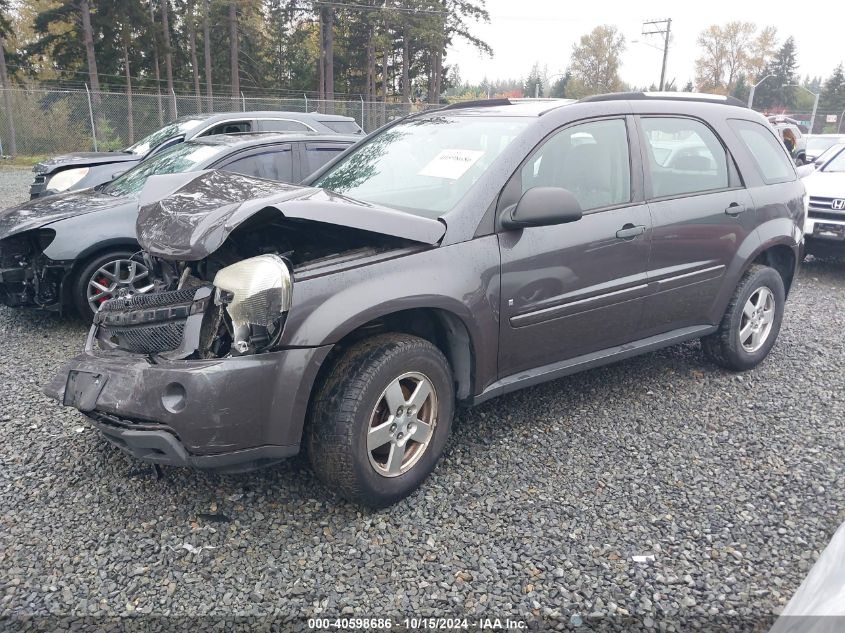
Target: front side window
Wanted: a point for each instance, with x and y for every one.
(771, 160)
(425, 165)
(590, 159)
(684, 157)
(183, 157)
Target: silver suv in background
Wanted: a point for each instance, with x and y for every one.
(82, 170)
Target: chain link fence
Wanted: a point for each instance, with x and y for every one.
(45, 122)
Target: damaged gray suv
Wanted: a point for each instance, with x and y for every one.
(451, 257)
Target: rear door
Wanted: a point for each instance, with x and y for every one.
(701, 213)
(575, 288)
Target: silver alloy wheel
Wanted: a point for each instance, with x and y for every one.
(402, 424)
(117, 278)
(758, 315)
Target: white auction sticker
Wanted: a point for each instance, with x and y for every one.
(451, 163)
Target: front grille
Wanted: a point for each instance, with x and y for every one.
(825, 204)
(150, 323)
(147, 339)
(151, 300)
(821, 215)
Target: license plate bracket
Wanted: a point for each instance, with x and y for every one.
(823, 229)
(82, 389)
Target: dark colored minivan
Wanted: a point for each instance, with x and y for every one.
(454, 256)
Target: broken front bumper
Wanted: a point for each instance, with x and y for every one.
(230, 413)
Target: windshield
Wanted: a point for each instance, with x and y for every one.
(177, 128)
(836, 164)
(423, 166)
(183, 157)
(821, 143)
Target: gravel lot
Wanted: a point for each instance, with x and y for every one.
(734, 483)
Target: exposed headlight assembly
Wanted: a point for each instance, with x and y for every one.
(256, 293)
(66, 179)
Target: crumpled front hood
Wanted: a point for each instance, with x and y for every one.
(825, 184)
(83, 159)
(205, 207)
(43, 211)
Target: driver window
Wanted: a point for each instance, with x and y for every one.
(590, 159)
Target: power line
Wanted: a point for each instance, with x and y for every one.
(366, 7)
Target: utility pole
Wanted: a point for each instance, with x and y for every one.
(664, 28)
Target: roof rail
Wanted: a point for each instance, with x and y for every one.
(669, 96)
(478, 103)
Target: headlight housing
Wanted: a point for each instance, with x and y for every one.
(256, 293)
(66, 179)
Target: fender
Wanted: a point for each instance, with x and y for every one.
(461, 280)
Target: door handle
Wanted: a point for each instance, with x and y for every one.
(629, 231)
(734, 209)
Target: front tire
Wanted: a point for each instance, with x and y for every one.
(380, 421)
(751, 323)
(105, 276)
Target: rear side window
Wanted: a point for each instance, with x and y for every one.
(684, 157)
(590, 159)
(318, 154)
(343, 127)
(769, 155)
(279, 125)
(275, 164)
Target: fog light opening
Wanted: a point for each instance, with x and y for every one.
(174, 397)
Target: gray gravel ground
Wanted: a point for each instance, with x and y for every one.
(734, 483)
(14, 185)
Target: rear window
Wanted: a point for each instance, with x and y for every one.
(282, 125)
(770, 156)
(343, 127)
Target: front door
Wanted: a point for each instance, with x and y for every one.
(574, 288)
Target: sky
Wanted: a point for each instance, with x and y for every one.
(522, 32)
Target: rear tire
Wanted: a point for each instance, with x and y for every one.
(751, 323)
(379, 422)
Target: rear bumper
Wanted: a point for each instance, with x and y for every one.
(205, 413)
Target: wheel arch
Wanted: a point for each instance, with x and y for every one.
(779, 255)
(445, 329)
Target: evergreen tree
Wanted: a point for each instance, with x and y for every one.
(832, 98)
(777, 92)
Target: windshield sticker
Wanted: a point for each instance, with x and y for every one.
(451, 163)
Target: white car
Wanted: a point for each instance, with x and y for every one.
(825, 227)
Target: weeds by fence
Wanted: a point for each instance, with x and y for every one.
(38, 121)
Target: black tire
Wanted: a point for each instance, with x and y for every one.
(343, 407)
(79, 289)
(724, 347)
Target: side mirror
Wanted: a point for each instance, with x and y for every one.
(543, 206)
(805, 170)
